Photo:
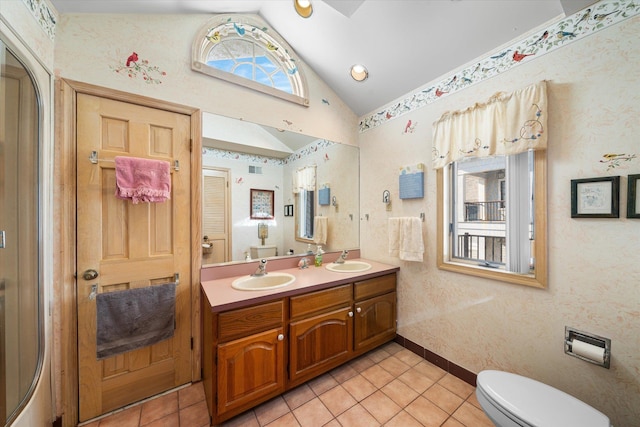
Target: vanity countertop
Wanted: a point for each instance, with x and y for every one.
(221, 296)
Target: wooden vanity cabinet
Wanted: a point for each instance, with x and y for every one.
(375, 312)
(250, 358)
(320, 332)
(255, 353)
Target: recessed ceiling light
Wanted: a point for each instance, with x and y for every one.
(359, 73)
(303, 7)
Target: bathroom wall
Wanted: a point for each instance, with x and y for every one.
(94, 49)
(594, 273)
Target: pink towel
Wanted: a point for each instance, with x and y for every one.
(142, 180)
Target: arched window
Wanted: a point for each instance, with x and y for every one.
(241, 49)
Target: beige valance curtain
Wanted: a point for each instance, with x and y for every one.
(304, 179)
(506, 124)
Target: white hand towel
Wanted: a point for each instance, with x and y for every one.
(405, 238)
(411, 244)
(394, 236)
(320, 230)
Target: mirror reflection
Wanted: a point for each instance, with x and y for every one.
(249, 168)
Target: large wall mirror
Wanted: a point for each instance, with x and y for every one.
(242, 159)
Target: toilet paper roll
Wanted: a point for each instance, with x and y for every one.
(589, 351)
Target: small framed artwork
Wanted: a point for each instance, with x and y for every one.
(288, 210)
(633, 201)
(595, 197)
(261, 204)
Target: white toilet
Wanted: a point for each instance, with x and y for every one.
(511, 400)
(259, 252)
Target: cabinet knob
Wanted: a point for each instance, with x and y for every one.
(350, 314)
(359, 309)
(280, 337)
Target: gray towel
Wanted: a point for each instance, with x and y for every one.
(135, 318)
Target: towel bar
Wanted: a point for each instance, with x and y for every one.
(93, 158)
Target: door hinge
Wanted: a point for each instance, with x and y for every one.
(191, 343)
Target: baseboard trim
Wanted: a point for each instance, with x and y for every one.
(447, 365)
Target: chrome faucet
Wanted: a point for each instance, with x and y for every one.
(342, 257)
(262, 268)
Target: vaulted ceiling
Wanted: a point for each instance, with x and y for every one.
(404, 44)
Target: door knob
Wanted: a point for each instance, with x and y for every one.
(89, 274)
(280, 337)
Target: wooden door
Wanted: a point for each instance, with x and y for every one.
(249, 369)
(216, 207)
(130, 246)
(319, 343)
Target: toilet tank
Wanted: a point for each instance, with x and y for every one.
(261, 251)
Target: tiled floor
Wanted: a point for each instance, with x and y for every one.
(390, 386)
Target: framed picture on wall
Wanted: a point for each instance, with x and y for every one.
(633, 201)
(261, 204)
(595, 197)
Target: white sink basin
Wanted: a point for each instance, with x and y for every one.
(349, 267)
(262, 283)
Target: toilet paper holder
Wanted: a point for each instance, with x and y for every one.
(598, 348)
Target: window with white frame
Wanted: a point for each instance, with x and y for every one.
(242, 49)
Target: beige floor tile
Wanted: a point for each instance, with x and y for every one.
(322, 383)
(469, 415)
(287, 420)
(357, 416)
(399, 392)
(127, 418)
(381, 406)
(408, 357)
(313, 414)
(452, 422)
(159, 407)
(362, 363)
(332, 423)
(456, 385)
(359, 387)
(271, 410)
(430, 370)
(403, 419)
(246, 419)
(416, 380)
(171, 420)
(442, 397)
(189, 395)
(394, 366)
(392, 347)
(378, 376)
(473, 399)
(379, 355)
(195, 415)
(299, 396)
(337, 400)
(343, 373)
(426, 412)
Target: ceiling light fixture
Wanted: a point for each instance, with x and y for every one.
(359, 73)
(303, 7)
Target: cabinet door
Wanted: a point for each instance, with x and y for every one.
(319, 343)
(250, 368)
(375, 321)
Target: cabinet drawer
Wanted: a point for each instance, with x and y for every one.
(376, 286)
(320, 300)
(246, 321)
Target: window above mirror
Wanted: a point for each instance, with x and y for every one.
(243, 50)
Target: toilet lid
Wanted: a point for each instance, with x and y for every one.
(537, 404)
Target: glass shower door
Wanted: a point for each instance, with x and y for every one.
(20, 336)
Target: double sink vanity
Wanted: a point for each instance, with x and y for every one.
(268, 334)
